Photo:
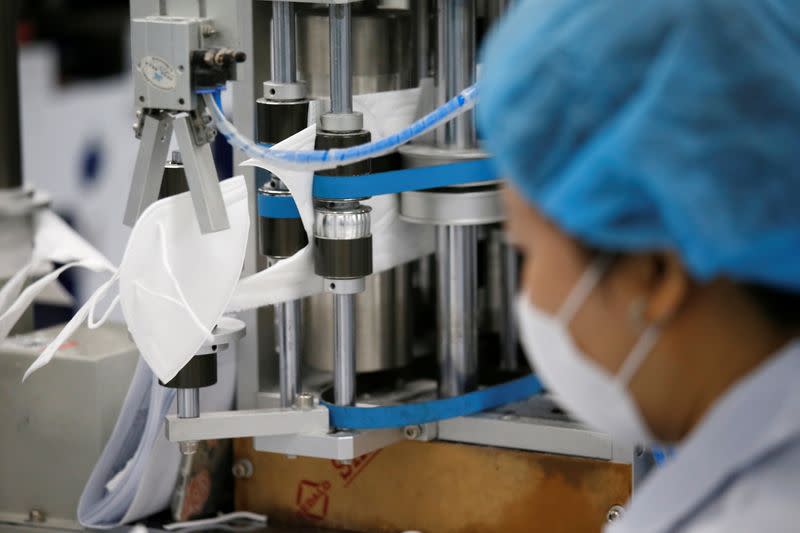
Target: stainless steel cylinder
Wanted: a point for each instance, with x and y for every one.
(344, 349)
(284, 55)
(456, 67)
(341, 72)
(10, 146)
(383, 324)
(288, 332)
(188, 403)
(381, 59)
(458, 299)
(508, 333)
(423, 37)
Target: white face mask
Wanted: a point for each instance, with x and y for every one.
(174, 282)
(583, 388)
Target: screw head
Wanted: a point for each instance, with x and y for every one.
(412, 432)
(304, 401)
(242, 469)
(188, 447)
(615, 513)
(37, 515)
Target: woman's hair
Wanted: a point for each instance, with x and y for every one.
(780, 307)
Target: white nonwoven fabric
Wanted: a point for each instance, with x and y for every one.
(136, 473)
(54, 242)
(394, 241)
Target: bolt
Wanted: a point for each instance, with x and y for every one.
(188, 447)
(412, 432)
(615, 513)
(242, 469)
(304, 401)
(208, 30)
(37, 515)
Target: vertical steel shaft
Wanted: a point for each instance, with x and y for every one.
(456, 67)
(288, 333)
(423, 38)
(284, 55)
(508, 358)
(459, 342)
(341, 82)
(10, 146)
(344, 349)
(188, 403)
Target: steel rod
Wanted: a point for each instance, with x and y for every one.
(457, 311)
(284, 55)
(341, 82)
(510, 277)
(456, 67)
(287, 331)
(188, 403)
(344, 349)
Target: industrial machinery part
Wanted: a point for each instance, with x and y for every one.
(171, 65)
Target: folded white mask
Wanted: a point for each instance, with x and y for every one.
(174, 282)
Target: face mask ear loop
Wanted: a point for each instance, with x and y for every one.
(175, 284)
(95, 299)
(580, 293)
(638, 354)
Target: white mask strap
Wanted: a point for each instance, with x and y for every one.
(95, 299)
(638, 354)
(580, 293)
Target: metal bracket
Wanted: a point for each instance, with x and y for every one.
(148, 172)
(247, 423)
(341, 446)
(201, 175)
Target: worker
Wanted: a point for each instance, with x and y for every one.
(653, 154)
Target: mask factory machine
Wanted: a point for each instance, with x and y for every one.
(397, 399)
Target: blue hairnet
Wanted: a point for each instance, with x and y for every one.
(655, 125)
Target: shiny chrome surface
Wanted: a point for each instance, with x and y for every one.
(349, 222)
(344, 349)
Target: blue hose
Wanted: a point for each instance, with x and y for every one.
(326, 159)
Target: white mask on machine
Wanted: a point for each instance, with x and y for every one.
(174, 281)
(585, 389)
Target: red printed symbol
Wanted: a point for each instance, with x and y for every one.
(312, 499)
(349, 471)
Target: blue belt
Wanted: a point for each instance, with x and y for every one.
(412, 414)
(396, 181)
(271, 206)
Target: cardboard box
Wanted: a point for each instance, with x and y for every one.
(435, 487)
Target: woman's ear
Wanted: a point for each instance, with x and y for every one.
(669, 287)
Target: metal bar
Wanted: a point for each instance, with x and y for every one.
(423, 38)
(247, 423)
(341, 82)
(344, 349)
(456, 67)
(11, 145)
(148, 172)
(534, 434)
(458, 310)
(188, 403)
(288, 333)
(509, 337)
(284, 55)
(341, 446)
(201, 175)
